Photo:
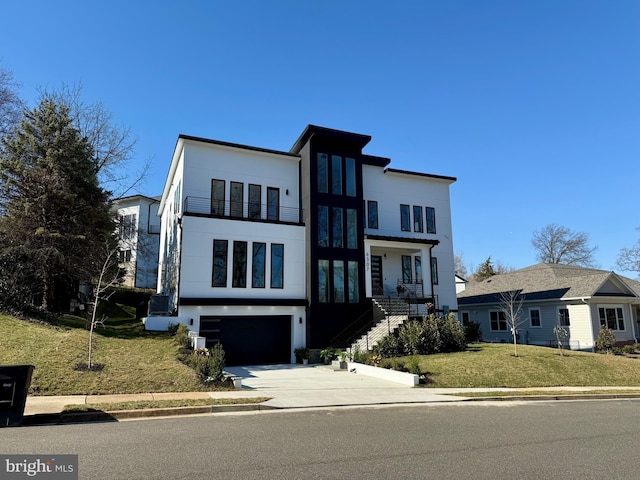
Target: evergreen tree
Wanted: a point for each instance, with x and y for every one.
(485, 270)
(54, 214)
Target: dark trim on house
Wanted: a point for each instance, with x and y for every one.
(388, 238)
(269, 302)
(237, 145)
(375, 161)
(356, 139)
(420, 174)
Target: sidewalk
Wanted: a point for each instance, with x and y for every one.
(287, 386)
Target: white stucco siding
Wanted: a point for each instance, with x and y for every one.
(391, 190)
(197, 257)
(205, 162)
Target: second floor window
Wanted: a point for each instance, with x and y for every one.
(372, 214)
(220, 263)
(431, 220)
(239, 264)
(237, 199)
(417, 219)
(217, 197)
(128, 226)
(405, 218)
(255, 201)
(273, 204)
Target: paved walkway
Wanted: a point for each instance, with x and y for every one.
(295, 386)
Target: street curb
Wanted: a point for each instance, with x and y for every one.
(579, 396)
(114, 416)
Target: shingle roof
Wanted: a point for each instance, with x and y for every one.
(544, 281)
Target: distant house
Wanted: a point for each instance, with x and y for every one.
(461, 283)
(139, 231)
(579, 299)
(265, 251)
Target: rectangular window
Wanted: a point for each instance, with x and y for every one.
(277, 265)
(217, 197)
(220, 248)
(323, 281)
(352, 280)
(124, 256)
(465, 318)
(563, 317)
(434, 271)
(352, 228)
(611, 317)
(337, 237)
(498, 321)
(128, 226)
(534, 317)
(418, 263)
(323, 173)
(417, 219)
(237, 199)
(255, 201)
(338, 281)
(336, 175)
(372, 214)
(405, 220)
(431, 220)
(323, 226)
(406, 269)
(239, 265)
(273, 204)
(350, 165)
(258, 264)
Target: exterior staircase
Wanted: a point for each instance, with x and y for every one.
(388, 314)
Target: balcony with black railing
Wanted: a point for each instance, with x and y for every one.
(249, 211)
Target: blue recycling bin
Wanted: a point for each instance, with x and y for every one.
(15, 381)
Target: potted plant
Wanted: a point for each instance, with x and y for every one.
(344, 356)
(302, 355)
(328, 355)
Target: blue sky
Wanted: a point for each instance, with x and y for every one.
(533, 105)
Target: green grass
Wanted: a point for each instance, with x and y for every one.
(143, 404)
(494, 365)
(135, 361)
(553, 393)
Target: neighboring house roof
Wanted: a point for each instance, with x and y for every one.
(131, 198)
(551, 281)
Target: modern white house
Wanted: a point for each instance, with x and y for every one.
(576, 298)
(266, 251)
(139, 231)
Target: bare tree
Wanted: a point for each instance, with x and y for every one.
(108, 276)
(557, 244)
(511, 305)
(629, 258)
(112, 144)
(459, 266)
(11, 106)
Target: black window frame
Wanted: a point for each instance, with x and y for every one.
(405, 218)
(223, 266)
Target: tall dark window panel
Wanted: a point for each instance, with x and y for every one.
(417, 219)
(337, 236)
(220, 248)
(323, 226)
(273, 204)
(405, 218)
(255, 201)
(277, 265)
(217, 197)
(239, 265)
(323, 173)
(258, 264)
(372, 214)
(237, 199)
(336, 175)
(431, 220)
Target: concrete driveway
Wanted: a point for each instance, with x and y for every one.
(299, 386)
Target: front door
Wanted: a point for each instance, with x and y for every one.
(376, 275)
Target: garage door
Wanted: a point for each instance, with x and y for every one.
(250, 340)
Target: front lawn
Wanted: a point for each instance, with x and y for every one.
(135, 361)
(494, 365)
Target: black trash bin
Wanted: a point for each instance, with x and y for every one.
(14, 386)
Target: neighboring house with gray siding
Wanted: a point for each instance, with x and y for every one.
(577, 298)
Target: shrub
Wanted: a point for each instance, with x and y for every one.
(606, 339)
(452, 334)
(359, 356)
(208, 364)
(181, 336)
(389, 347)
(629, 349)
(472, 332)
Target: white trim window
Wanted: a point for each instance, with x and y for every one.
(535, 319)
(611, 316)
(563, 317)
(498, 320)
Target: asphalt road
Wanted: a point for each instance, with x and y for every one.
(499, 440)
